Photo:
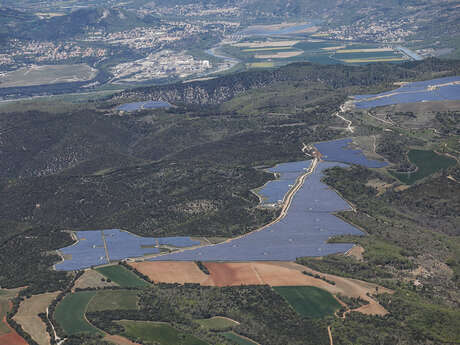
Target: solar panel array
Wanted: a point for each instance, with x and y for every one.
(274, 191)
(413, 93)
(90, 250)
(303, 232)
(338, 151)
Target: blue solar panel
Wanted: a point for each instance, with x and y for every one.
(90, 251)
(178, 241)
(413, 93)
(303, 232)
(122, 244)
(274, 191)
(338, 151)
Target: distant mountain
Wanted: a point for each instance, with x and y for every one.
(79, 22)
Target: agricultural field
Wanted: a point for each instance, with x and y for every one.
(238, 339)
(309, 301)
(114, 300)
(427, 162)
(93, 279)
(70, 313)
(218, 323)
(8, 335)
(47, 74)
(27, 316)
(122, 276)
(257, 52)
(161, 333)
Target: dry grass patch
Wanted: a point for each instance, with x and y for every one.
(27, 316)
(265, 44)
(93, 279)
(280, 55)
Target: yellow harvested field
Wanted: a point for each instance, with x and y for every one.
(261, 64)
(333, 48)
(27, 316)
(365, 50)
(320, 34)
(280, 55)
(262, 49)
(265, 44)
(373, 60)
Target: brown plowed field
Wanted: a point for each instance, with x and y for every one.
(273, 273)
(11, 338)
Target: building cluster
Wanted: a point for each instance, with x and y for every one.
(6, 59)
(164, 64)
(46, 51)
(147, 37)
(379, 31)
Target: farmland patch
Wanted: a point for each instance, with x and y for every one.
(161, 333)
(27, 316)
(47, 74)
(309, 301)
(70, 313)
(218, 323)
(114, 300)
(122, 276)
(238, 339)
(427, 162)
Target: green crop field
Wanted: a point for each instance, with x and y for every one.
(238, 339)
(217, 323)
(114, 300)
(161, 333)
(427, 162)
(309, 301)
(71, 310)
(122, 276)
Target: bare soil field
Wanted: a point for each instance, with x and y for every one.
(119, 340)
(12, 338)
(260, 273)
(92, 279)
(356, 252)
(27, 316)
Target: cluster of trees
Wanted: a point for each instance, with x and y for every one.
(263, 314)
